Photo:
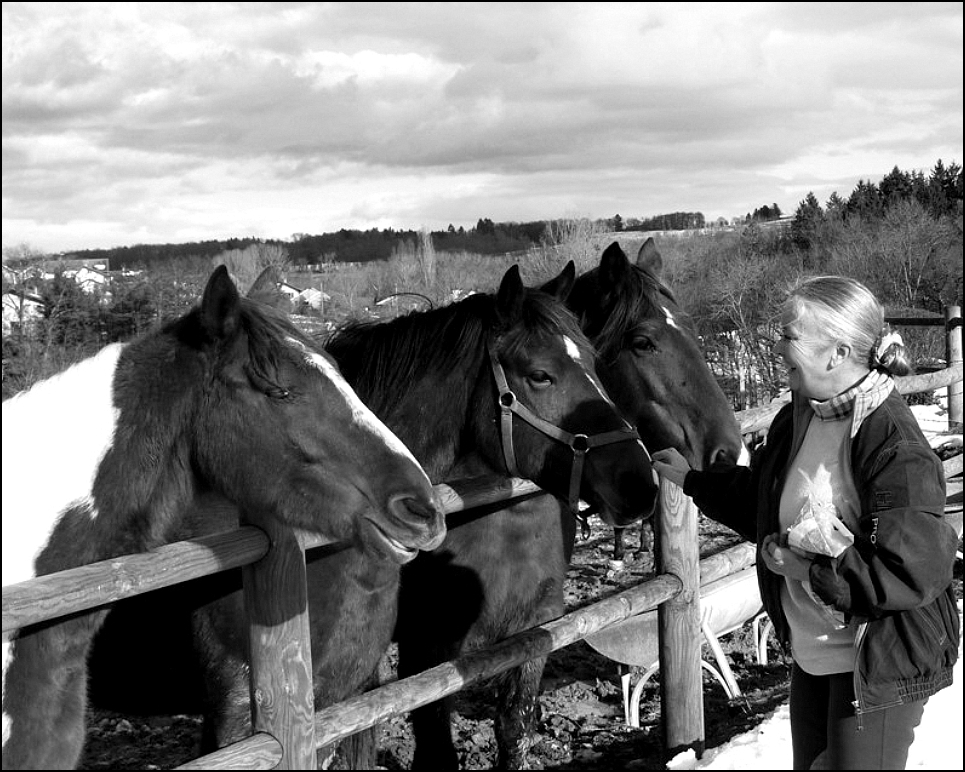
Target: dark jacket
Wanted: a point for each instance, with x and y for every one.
(895, 582)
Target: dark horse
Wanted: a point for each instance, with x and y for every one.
(105, 459)
(650, 362)
(494, 383)
(651, 365)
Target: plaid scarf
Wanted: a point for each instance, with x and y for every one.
(861, 400)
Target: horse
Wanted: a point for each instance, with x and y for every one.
(650, 363)
(105, 458)
(495, 384)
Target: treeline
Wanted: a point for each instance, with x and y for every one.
(344, 246)
(938, 195)
(363, 246)
(675, 221)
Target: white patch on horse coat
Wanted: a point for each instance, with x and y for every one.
(669, 316)
(55, 436)
(361, 414)
(574, 352)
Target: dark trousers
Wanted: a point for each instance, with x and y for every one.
(825, 732)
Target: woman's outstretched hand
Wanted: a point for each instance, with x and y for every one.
(670, 464)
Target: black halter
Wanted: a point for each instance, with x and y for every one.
(579, 443)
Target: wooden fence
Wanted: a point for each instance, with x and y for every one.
(287, 730)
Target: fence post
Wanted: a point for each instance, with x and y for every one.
(953, 356)
(681, 679)
(276, 599)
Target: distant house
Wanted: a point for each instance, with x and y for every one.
(89, 279)
(290, 291)
(66, 264)
(313, 298)
(10, 276)
(21, 312)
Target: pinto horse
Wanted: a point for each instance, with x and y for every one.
(650, 364)
(493, 384)
(228, 398)
(650, 361)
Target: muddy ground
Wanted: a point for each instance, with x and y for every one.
(581, 726)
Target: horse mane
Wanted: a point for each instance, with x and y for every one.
(636, 298)
(269, 332)
(267, 329)
(385, 361)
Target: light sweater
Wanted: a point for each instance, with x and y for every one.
(820, 475)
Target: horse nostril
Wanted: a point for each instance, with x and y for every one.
(407, 507)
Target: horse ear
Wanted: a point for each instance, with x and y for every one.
(265, 290)
(649, 258)
(614, 267)
(562, 285)
(509, 298)
(267, 282)
(220, 306)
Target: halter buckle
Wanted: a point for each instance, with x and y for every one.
(580, 443)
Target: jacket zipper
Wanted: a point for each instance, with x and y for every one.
(858, 642)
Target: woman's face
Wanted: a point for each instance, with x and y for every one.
(807, 355)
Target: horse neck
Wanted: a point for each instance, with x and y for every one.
(431, 409)
(148, 473)
(55, 437)
(107, 477)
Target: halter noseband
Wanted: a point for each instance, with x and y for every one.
(580, 444)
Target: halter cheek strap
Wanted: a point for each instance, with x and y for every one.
(580, 444)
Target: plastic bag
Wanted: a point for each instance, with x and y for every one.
(818, 529)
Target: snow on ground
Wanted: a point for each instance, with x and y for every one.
(938, 739)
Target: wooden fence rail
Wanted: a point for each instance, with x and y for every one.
(86, 587)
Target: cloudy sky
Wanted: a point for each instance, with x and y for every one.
(130, 123)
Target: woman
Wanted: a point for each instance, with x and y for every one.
(845, 501)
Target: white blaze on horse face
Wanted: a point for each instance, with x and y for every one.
(574, 352)
(54, 438)
(669, 316)
(361, 414)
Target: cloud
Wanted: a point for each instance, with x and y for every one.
(118, 114)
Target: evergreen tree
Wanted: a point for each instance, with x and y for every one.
(808, 219)
(865, 201)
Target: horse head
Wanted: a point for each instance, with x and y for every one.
(649, 358)
(558, 426)
(280, 432)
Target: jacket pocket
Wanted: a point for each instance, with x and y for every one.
(912, 644)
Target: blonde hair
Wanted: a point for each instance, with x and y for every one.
(849, 312)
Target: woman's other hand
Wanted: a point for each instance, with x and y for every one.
(783, 560)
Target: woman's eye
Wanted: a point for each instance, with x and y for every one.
(539, 378)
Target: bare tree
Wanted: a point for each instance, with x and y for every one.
(245, 265)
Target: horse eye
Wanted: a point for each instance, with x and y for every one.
(540, 379)
(266, 387)
(642, 344)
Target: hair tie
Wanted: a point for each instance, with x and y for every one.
(889, 339)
